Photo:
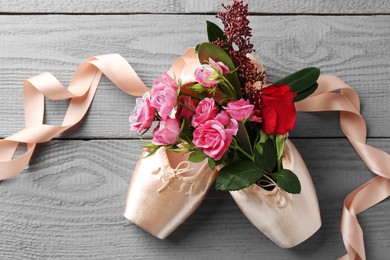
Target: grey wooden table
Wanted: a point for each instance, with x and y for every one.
(69, 203)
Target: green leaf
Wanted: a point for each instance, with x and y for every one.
(300, 80)
(238, 175)
(152, 148)
(211, 163)
(198, 88)
(307, 92)
(288, 181)
(187, 146)
(263, 137)
(197, 156)
(259, 149)
(178, 150)
(214, 32)
(265, 155)
(208, 50)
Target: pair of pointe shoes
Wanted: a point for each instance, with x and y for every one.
(166, 189)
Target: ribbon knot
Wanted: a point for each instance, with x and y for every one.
(282, 197)
(175, 173)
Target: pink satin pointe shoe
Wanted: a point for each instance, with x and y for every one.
(287, 219)
(165, 190)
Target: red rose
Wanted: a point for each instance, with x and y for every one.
(278, 110)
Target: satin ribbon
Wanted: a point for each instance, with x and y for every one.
(354, 127)
(83, 87)
(81, 91)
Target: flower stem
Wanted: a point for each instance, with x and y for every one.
(230, 86)
(243, 152)
(230, 94)
(189, 95)
(181, 104)
(279, 145)
(247, 137)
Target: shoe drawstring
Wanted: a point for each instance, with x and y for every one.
(181, 168)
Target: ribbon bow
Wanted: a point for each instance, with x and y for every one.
(282, 197)
(175, 173)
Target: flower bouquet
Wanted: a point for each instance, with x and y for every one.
(218, 119)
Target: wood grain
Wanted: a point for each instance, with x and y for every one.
(354, 48)
(194, 6)
(69, 205)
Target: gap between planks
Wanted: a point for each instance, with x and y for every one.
(194, 13)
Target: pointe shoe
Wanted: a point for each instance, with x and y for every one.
(287, 219)
(165, 190)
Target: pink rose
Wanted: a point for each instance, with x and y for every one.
(167, 132)
(143, 114)
(222, 68)
(183, 111)
(206, 110)
(239, 109)
(213, 139)
(231, 125)
(164, 95)
(223, 117)
(208, 75)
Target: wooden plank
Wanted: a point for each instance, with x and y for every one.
(69, 205)
(354, 48)
(194, 6)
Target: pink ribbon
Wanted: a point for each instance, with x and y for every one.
(82, 89)
(354, 127)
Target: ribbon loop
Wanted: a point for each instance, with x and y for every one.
(81, 91)
(281, 195)
(354, 127)
(175, 173)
